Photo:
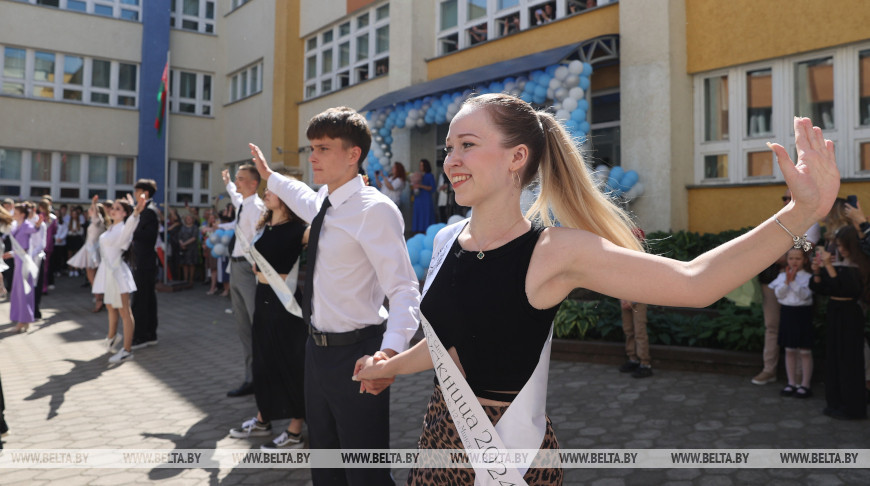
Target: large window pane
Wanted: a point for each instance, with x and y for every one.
(716, 166)
(43, 69)
(190, 7)
(124, 171)
(10, 164)
(362, 47)
(814, 91)
(449, 14)
(382, 12)
(864, 87)
(40, 166)
(344, 55)
(73, 68)
(185, 175)
(98, 169)
(716, 108)
(759, 103)
(101, 74)
(311, 67)
(127, 77)
(362, 21)
(476, 9)
(203, 176)
(206, 88)
(326, 65)
(382, 39)
(70, 167)
(759, 164)
(187, 89)
(13, 63)
(243, 78)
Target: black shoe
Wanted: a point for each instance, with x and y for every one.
(788, 391)
(803, 392)
(642, 372)
(247, 388)
(629, 366)
(4, 429)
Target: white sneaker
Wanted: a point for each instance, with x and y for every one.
(251, 428)
(112, 343)
(121, 356)
(284, 441)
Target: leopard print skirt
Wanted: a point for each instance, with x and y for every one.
(440, 433)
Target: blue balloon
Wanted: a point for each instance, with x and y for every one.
(388, 139)
(616, 173)
(541, 91)
(433, 229)
(584, 83)
(582, 103)
(612, 186)
(587, 69)
(429, 242)
(571, 126)
(208, 243)
(425, 256)
(628, 180)
(420, 271)
(585, 127)
(536, 74)
(539, 99)
(509, 79)
(526, 97)
(414, 248)
(578, 115)
(551, 70)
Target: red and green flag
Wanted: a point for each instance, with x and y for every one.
(162, 95)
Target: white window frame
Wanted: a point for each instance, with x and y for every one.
(118, 7)
(58, 85)
(314, 85)
(54, 185)
(197, 191)
(235, 4)
(241, 76)
(204, 25)
(201, 104)
(848, 134)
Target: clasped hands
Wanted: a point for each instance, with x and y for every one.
(370, 372)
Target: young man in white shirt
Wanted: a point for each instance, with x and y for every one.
(360, 258)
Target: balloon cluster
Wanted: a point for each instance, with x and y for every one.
(219, 242)
(565, 84)
(420, 249)
(618, 183)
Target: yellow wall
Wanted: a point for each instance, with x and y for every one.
(716, 209)
(601, 21)
(289, 57)
(727, 33)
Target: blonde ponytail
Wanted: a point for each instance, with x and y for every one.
(568, 190)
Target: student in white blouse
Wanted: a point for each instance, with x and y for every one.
(361, 258)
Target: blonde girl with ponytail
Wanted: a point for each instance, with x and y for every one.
(494, 297)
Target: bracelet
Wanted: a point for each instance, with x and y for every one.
(800, 242)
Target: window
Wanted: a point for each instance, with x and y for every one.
(234, 4)
(195, 15)
(119, 9)
(465, 23)
(189, 182)
(351, 52)
(67, 77)
(247, 82)
(831, 87)
(66, 176)
(190, 92)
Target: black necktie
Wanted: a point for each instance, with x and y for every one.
(313, 237)
(236, 229)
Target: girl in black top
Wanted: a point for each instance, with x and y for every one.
(845, 284)
(278, 337)
(498, 144)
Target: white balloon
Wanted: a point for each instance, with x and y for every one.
(635, 191)
(383, 146)
(576, 93)
(572, 80)
(378, 138)
(555, 83)
(219, 249)
(421, 122)
(521, 83)
(575, 67)
(562, 73)
(225, 239)
(509, 87)
(413, 113)
(550, 93)
(454, 219)
(569, 104)
(382, 117)
(560, 94)
(563, 115)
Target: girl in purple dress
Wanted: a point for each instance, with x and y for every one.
(22, 296)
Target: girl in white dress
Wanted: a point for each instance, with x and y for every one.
(88, 256)
(114, 279)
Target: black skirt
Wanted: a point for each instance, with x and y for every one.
(796, 327)
(278, 346)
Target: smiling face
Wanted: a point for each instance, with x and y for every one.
(332, 163)
(477, 164)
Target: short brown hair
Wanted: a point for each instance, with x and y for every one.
(344, 124)
(147, 185)
(252, 169)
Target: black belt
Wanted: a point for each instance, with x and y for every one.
(237, 259)
(345, 338)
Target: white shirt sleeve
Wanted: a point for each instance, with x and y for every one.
(128, 230)
(385, 247)
(62, 230)
(235, 197)
(300, 198)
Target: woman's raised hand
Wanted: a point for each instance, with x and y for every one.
(140, 204)
(814, 180)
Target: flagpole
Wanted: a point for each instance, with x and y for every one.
(166, 175)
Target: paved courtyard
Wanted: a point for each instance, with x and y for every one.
(60, 394)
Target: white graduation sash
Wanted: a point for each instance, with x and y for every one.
(280, 286)
(523, 424)
(246, 245)
(29, 267)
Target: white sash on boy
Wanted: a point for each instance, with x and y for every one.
(280, 286)
(522, 426)
(29, 267)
